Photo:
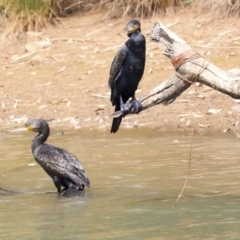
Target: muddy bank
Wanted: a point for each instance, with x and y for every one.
(66, 82)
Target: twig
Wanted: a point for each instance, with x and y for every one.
(189, 168)
(17, 59)
(111, 48)
(212, 47)
(77, 3)
(42, 85)
(67, 39)
(172, 24)
(100, 96)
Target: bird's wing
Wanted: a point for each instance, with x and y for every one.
(60, 162)
(76, 168)
(117, 65)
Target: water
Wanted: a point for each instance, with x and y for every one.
(136, 176)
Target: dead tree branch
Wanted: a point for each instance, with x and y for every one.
(196, 69)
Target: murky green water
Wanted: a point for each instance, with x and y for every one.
(135, 178)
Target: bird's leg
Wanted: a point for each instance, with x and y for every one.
(125, 107)
(57, 184)
(137, 106)
(59, 190)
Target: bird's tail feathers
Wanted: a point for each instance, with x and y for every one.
(116, 121)
(115, 124)
(81, 179)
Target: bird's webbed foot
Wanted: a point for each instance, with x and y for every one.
(73, 192)
(136, 105)
(126, 108)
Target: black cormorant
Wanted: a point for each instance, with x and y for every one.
(126, 72)
(63, 167)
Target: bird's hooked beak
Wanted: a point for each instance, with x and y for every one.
(28, 128)
(131, 28)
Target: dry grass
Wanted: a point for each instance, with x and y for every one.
(221, 8)
(136, 8)
(20, 16)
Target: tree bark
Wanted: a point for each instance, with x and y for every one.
(198, 69)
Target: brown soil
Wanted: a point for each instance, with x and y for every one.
(67, 81)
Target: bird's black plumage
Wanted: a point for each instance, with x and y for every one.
(63, 167)
(126, 72)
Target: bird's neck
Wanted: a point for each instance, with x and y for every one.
(136, 34)
(138, 38)
(40, 139)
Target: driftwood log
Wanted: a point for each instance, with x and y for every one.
(190, 67)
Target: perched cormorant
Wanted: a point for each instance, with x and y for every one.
(63, 167)
(126, 72)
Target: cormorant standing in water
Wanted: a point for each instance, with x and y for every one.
(126, 72)
(63, 167)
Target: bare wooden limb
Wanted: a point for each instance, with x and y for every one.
(200, 69)
(165, 93)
